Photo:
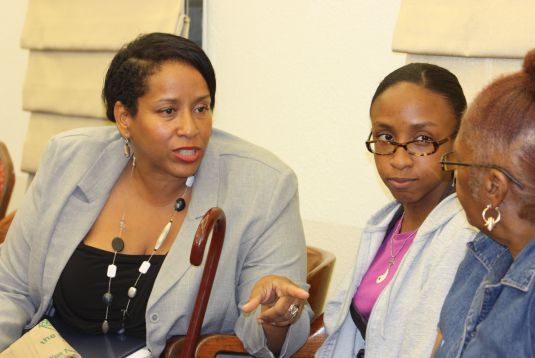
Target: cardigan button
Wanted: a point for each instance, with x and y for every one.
(154, 317)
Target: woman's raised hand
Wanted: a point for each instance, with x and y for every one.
(282, 300)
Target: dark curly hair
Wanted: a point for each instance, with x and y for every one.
(432, 77)
(126, 78)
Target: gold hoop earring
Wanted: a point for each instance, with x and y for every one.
(491, 222)
(127, 152)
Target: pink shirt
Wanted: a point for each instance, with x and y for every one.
(369, 289)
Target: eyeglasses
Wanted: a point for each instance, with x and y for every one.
(418, 147)
(447, 165)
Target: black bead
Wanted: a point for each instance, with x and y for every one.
(180, 204)
(117, 244)
(107, 298)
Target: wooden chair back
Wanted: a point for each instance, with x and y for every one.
(213, 221)
(320, 265)
(7, 179)
(5, 222)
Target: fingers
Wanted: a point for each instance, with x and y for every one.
(282, 301)
(253, 302)
(295, 291)
(286, 311)
(269, 289)
(263, 293)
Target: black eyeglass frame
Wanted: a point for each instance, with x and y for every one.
(436, 145)
(444, 163)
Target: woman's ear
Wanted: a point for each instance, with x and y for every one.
(122, 119)
(496, 186)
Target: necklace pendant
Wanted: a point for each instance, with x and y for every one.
(105, 326)
(383, 276)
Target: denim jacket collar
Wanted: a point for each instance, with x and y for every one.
(518, 274)
(486, 250)
(521, 275)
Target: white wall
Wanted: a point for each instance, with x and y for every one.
(297, 77)
(293, 76)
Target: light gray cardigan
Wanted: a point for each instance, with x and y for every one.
(264, 235)
(403, 322)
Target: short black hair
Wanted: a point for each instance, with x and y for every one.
(432, 77)
(126, 78)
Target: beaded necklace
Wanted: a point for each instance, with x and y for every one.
(117, 245)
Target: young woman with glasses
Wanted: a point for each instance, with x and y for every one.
(490, 309)
(409, 251)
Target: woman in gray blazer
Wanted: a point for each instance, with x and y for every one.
(103, 238)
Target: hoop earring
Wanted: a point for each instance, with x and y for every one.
(491, 222)
(127, 152)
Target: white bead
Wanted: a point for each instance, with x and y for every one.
(145, 265)
(112, 271)
(163, 236)
(132, 292)
(189, 181)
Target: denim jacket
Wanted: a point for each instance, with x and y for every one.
(490, 309)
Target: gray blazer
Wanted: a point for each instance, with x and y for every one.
(264, 235)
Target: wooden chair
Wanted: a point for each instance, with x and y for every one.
(4, 225)
(7, 179)
(320, 264)
(214, 221)
(214, 344)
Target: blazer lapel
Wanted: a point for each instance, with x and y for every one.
(80, 210)
(204, 196)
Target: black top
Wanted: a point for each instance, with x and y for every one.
(78, 294)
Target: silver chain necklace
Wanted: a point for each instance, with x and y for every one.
(392, 258)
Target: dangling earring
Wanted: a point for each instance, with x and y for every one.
(126, 148)
(491, 222)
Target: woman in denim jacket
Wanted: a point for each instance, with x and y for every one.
(490, 309)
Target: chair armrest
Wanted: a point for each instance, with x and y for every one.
(315, 339)
(208, 346)
(173, 347)
(211, 345)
